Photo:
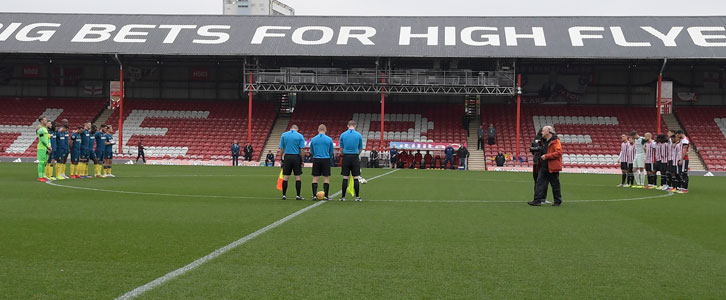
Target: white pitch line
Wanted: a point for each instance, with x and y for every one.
(153, 194)
(216, 253)
(521, 201)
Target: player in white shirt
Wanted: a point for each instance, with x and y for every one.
(675, 158)
(639, 159)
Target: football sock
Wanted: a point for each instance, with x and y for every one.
(326, 187)
(315, 189)
(41, 169)
(284, 188)
(356, 186)
(73, 169)
(298, 186)
(110, 170)
(345, 187)
(622, 180)
(684, 181)
(639, 178)
(630, 179)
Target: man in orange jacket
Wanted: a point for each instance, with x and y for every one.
(549, 170)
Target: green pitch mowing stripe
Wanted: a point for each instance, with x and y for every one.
(195, 264)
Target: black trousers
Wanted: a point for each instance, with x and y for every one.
(235, 159)
(544, 180)
(491, 141)
(141, 154)
(248, 157)
(534, 176)
(480, 143)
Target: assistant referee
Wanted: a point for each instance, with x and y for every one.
(321, 147)
(352, 143)
(291, 143)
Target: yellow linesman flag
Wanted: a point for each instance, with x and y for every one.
(351, 188)
(279, 181)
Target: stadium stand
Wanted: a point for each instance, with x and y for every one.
(420, 122)
(706, 127)
(590, 134)
(20, 117)
(201, 130)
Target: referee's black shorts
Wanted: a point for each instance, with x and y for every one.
(351, 165)
(292, 164)
(321, 166)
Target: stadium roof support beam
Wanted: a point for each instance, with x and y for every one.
(379, 88)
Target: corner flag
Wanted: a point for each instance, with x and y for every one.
(279, 181)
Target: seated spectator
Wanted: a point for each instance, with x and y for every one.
(270, 159)
(417, 159)
(428, 160)
(500, 159)
(308, 157)
(402, 159)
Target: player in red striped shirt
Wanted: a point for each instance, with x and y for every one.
(669, 160)
(622, 159)
(661, 158)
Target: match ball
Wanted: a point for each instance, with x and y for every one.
(320, 195)
(362, 180)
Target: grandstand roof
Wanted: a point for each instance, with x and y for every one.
(484, 37)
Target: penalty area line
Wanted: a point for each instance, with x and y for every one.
(216, 253)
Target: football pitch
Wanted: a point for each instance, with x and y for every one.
(418, 234)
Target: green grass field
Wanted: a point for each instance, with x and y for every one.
(418, 234)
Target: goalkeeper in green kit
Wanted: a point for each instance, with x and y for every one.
(43, 147)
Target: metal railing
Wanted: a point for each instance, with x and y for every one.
(462, 78)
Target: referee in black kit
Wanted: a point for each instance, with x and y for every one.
(352, 143)
(291, 144)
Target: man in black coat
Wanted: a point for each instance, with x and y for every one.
(463, 156)
(248, 152)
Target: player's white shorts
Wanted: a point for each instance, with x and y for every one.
(639, 161)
